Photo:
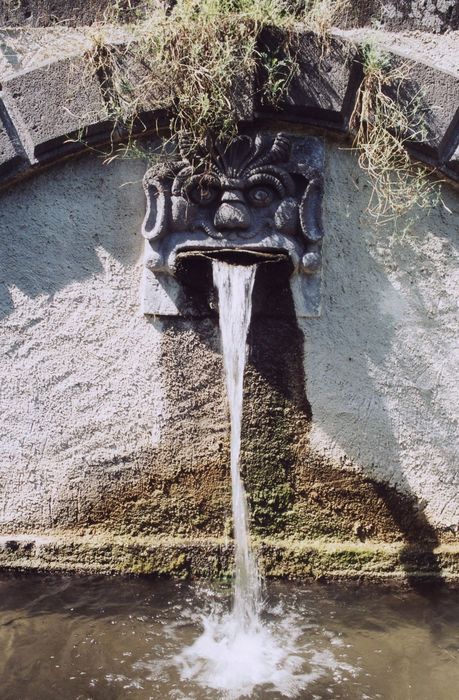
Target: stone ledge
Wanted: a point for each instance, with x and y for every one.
(212, 557)
(392, 14)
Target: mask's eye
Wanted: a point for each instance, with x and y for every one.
(203, 194)
(261, 196)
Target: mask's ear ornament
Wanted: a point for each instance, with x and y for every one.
(255, 196)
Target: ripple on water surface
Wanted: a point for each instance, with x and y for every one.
(113, 639)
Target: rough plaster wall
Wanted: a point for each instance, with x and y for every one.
(430, 15)
(100, 406)
(79, 383)
(383, 360)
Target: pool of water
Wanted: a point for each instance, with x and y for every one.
(95, 638)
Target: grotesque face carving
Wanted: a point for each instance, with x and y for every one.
(239, 194)
(262, 192)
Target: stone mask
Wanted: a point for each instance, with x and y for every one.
(259, 193)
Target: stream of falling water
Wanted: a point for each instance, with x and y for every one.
(235, 284)
(238, 651)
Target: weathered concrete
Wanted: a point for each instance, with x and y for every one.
(114, 427)
(54, 106)
(212, 558)
(382, 361)
(63, 268)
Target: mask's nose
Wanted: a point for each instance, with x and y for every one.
(232, 212)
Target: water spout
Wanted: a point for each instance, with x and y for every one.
(234, 284)
(238, 651)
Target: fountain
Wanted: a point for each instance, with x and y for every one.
(235, 284)
(238, 206)
(251, 646)
(143, 639)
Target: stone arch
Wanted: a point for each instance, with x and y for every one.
(44, 111)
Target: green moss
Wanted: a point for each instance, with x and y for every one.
(176, 566)
(181, 514)
(269, 507)
(295, 560)
(213, 559)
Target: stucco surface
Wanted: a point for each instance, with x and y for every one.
(78, 383)
(383, 360)
(112, 421)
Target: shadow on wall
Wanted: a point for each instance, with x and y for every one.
(380, 360)
(72, 224)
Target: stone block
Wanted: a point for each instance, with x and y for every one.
(8, 152)
(10, 156)
(401, 15)
(157, 98)
(435, 96)
(134, 78)
(244, 91)
(323, 89)
(56, 107)
(452, 166)
(73, 13)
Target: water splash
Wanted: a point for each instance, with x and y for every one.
(235, 660)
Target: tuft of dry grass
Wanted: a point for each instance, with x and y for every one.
(202, 58)
(384, 125)
(319, 16)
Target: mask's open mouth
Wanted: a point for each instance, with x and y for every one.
(194, 268)
(235, 256)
